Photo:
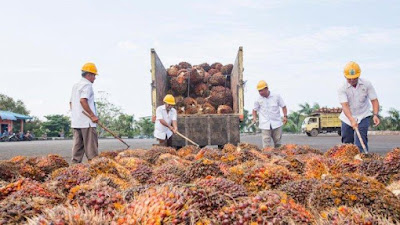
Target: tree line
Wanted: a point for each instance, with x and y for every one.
(127, 125)
(58, 125)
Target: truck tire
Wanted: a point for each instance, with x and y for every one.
(339, 133)
(314, 132)
(308, 134)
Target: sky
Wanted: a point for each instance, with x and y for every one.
(299, 47)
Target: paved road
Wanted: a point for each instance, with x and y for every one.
(378, 143)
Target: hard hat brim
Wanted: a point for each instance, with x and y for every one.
(170, 103)
(352, 76)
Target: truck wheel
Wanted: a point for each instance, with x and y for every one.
(339, 133)
(314, 132)
(308, 134)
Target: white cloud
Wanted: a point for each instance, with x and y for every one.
(381, 37)
(127, 45)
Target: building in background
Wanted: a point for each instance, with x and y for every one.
(8, 119)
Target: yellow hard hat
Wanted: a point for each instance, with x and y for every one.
(261, 85)
(90, 67)
(169, 99)
(352, 70)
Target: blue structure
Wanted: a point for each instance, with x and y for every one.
(7, 118)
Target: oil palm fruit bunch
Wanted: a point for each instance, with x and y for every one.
(217, 66)
(152, 155)
(229, 148)
(238, 173)
(268, 176)
(171, 159)
(202, 168)
(299, 190)
(31, 171)
(205, 66)
(166, 174)
(184, 65)
(316, 167)
(131, 193)
(172, 71)
(157, 205)
(223, 186)
(179, 84)
(187, 150)
(224, 109)
(8, 170)
(110, 154)
(104, 165)
(293, 149)
(207, 108)
(64, 179)
(217, 79)
(344, 165)
(97, 195)
(138, 153)
(209, 153)
(227, 69)
(201, 90)
(196, 75)
(50, 163)
(220, 96)
(355, 190)
(142, 173)
(267, 207)
(294, 165)
(347, 151)
(115, 182)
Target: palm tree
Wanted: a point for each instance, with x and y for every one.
(306, 109)
(294, 122)
(394, 119)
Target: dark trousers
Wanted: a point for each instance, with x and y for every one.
(349, 135)
(167, 142)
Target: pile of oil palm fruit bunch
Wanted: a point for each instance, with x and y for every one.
(240, 184)
(201, 89)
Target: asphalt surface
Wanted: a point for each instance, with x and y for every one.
(378, 143)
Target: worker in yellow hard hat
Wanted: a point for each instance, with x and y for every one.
(84, 128)
(267, 106)
(166, 121)
(355, 96)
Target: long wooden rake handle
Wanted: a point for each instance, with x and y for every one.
(361, 140)
(187, 139)
(108, 130)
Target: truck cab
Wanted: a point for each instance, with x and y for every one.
(310, 126)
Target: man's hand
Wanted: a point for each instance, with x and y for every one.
(354, 123)
(284, 120)
(254, 120)
(377, 121)
(94, 118)
(172, 129)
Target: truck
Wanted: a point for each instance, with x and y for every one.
(323, 120)
(204, 129)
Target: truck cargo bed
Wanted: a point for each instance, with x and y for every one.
(204, 129)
